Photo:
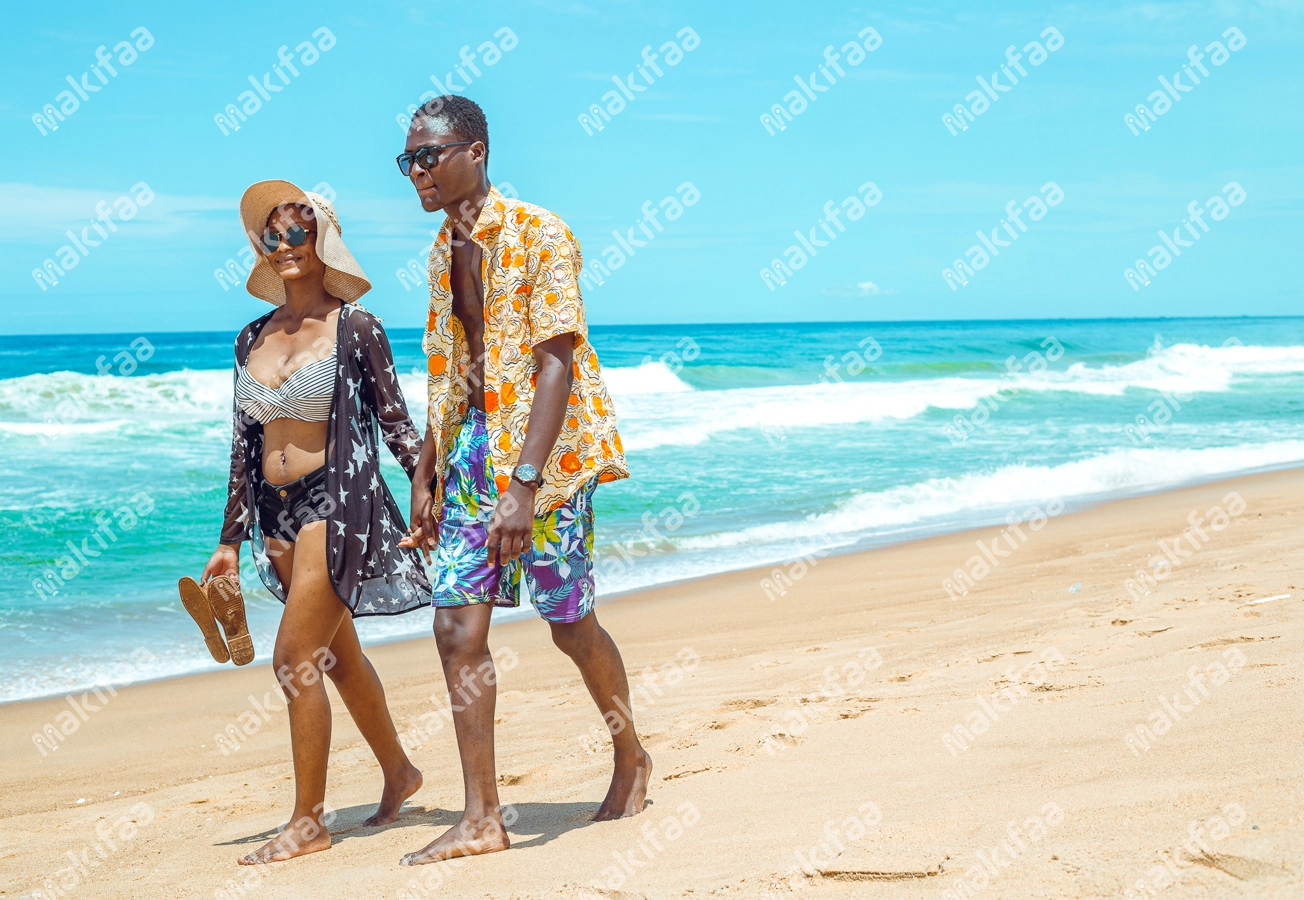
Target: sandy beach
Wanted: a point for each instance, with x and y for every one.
(801, 743)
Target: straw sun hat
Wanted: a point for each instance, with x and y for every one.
(344, 277)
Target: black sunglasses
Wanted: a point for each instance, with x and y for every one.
(295, 234)
(426, 157)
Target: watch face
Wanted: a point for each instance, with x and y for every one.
(527, 472)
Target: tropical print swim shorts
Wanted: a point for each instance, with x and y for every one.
(556, 571)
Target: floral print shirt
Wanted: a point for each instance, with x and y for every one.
(530, 272)
(369, 571)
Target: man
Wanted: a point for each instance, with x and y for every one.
(520, 431)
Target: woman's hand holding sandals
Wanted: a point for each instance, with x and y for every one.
(224, 561)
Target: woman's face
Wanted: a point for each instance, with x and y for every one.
(289, 262)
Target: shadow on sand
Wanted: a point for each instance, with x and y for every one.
(535, 824)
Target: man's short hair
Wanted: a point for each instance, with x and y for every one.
(458, 115)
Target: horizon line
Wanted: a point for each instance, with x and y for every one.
(55, 334)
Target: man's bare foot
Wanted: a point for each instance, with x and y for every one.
(466, 838)
(628, 788)
(391, 799)
(298, 839)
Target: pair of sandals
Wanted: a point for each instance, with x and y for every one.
(219, 602)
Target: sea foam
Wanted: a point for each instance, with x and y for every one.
(653, 388)
(944, 502)
(654, 420)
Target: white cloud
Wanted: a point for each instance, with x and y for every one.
(859, 289)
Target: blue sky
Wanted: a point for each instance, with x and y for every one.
(698, 122)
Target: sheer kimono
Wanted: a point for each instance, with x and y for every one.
(372, 575)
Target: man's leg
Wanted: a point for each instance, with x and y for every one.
(594, 653)
(461, 634)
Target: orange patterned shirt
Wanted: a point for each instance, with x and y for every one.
(530, 272)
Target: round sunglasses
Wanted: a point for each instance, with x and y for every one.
(295, 235)
(426, 157)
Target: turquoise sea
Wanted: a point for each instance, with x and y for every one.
(749, 445)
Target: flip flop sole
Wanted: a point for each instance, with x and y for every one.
(196, 603)
(228, 607)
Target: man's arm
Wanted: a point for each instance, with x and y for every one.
(512, 526)
(423, 533)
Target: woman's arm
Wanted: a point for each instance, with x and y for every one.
(381, 389)
(236, 520)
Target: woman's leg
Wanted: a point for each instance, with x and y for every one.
(312, 616)
(363, 694)
(281, 553)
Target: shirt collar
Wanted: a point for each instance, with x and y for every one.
(490, 221)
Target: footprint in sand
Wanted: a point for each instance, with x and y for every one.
(685, 773)
(1222, 642)
(780, 737)
(854, 712)
(1242, 868)
(882, 864)
(506, 780)
(745, 703)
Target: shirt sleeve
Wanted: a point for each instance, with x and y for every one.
(382, 391)
(236, 523)
(553, 262)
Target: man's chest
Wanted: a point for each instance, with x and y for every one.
(466, 284)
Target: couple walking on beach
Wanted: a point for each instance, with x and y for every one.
(520, 430)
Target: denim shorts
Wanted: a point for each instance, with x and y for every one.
(283, 509)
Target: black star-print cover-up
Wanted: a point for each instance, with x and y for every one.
(369, 571)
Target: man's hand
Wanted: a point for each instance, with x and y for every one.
(224, 561)
(512, 527)
(424, 533)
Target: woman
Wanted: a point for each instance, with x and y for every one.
(314, 379)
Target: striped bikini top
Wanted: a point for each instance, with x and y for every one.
(306, 395)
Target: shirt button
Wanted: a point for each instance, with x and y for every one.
(282, 493)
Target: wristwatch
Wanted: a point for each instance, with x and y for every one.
(528, 475)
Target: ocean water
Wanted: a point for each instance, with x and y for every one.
(749, 444)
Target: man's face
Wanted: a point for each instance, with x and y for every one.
(457, 175)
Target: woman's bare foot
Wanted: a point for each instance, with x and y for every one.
(391, 799)
(466, 838)
(298, 839)
(628, 788)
